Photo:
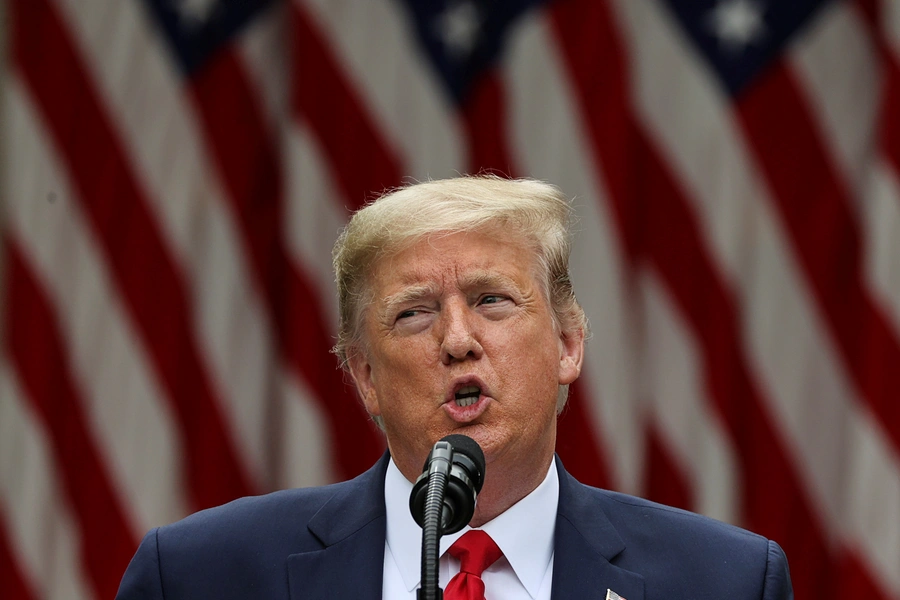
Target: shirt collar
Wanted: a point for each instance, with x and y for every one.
(528, 549)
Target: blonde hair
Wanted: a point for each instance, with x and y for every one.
(535, 210)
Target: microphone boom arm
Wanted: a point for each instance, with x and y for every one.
(443, 501)
(432, 526)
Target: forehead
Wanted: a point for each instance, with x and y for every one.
(466, 259)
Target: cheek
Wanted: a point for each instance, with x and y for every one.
(530, 366)
(531, 374)
(404, 369)
(410, 356)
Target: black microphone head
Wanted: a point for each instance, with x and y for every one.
(460, 461)
(463, 444)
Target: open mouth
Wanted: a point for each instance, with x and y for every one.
(467, 395)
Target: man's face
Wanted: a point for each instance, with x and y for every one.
(461, 339)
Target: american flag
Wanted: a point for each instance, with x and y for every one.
(174, 173)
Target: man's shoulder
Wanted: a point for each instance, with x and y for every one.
(277, 522)
(263, 520)
(634, 517)
(294, 501)
(674, 549)
(643, 512)
(633, 514)
(239, 549)
(655, 537)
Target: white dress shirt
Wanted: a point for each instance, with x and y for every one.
(524, 533)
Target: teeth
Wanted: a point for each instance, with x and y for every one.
(467, 396)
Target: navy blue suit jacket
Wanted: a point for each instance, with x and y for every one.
(328, 542)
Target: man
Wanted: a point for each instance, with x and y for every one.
(457, 315)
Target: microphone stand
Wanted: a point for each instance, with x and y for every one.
(443, 501)
(432, 529)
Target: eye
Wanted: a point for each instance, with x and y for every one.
(491, 299)
(411, 321)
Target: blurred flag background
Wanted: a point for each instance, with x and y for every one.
(173, 174)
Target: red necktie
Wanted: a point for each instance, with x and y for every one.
(476, 551)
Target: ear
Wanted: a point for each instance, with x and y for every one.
(361, 372)
(571, 355)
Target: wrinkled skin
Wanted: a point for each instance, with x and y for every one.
(459, 310)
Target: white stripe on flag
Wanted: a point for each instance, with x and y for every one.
(837, 65)
(798, 367)
(542, 111)
(871, 498)
(134, 431)
(391, 74)
(38, 519)
(882, 224)
(264, 49)
(675, 388)
(144, 93)
(313, 217)
(305, 457)
(891, 10)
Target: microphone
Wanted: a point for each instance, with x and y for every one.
(443, 500)
(460, 460)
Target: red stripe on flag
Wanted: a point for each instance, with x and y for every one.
(145, 272)
(249, 165)
(675, 249)
(596, 65)
(37, 351)
(855, 581)
(484, 119)
(889, 123)
(487, 143)
(362, 160)
(871, 12)
(13, 585)
(643, 188)
(816, 210)
(664, 480)
(577, 443)
(356, 442)
(602, 98)
(327, 103)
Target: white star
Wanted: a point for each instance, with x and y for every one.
(194, 12)
(458, 28)
(737, 24)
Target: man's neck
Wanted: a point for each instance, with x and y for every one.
(503, 489)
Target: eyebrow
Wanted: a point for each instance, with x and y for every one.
(406, 295)
(487, 279)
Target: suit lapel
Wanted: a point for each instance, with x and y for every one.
(585, 548)
(351, 527)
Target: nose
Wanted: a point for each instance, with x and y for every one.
(458, 341)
